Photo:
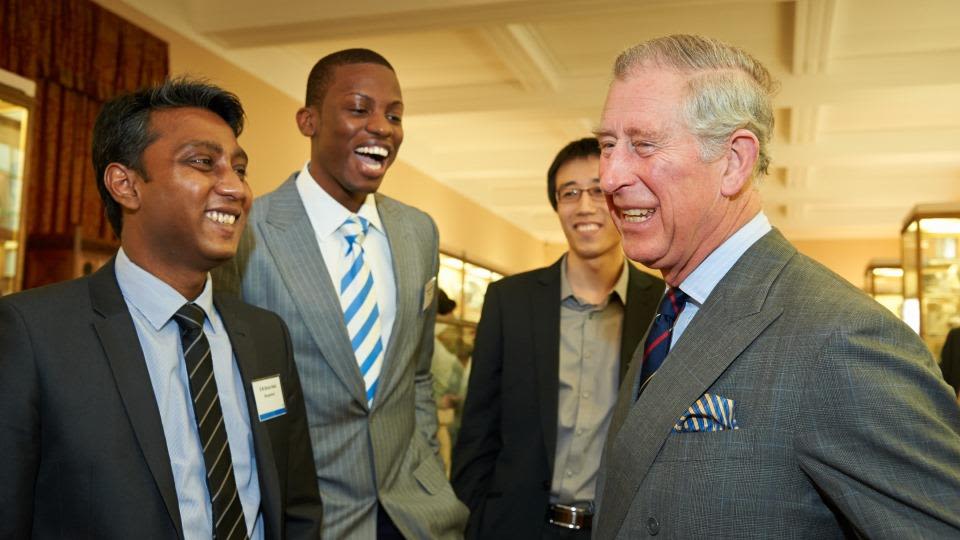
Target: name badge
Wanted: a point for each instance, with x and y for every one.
(269, 396)
(429, 290)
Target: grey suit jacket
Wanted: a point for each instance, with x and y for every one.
(845, 426)
(84, 453)
(361, 455)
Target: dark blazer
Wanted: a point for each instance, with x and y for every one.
(844, 427)
(84, 454)
(503, 461)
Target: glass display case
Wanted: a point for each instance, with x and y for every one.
(14, 117)
(466, 284)
(883, 280)
(931, 271)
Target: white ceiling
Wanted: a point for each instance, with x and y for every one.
(868, 117)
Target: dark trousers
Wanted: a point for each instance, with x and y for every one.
(554, 532)
(386, 530)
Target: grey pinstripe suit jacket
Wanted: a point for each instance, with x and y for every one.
(389, 452)
(845, 424)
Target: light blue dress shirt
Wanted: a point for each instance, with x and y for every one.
(701, 282)
(152, 304)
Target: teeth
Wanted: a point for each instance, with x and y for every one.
(587, 227)
(220, 217)
(636, 215)
(373, 151)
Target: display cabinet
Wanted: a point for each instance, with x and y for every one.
(465, 283)
(15, 117)
(931, 271)
(883, 280)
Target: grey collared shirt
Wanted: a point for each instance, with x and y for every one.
(589, 378)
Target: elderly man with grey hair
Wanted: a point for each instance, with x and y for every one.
(771, 398)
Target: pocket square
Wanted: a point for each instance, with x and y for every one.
(709, 413)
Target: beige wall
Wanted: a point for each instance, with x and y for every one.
(466, 229)
(849, 258)
(276, 149)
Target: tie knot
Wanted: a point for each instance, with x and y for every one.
(354, 229)
(190, 316)
(672, 303)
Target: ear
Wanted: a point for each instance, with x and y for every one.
(307, 120)
(742, 153)
(123, 184)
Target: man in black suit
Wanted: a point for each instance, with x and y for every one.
(134, 402)
(551, 348)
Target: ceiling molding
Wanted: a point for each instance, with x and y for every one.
(256, 23)
(804, 123)
(521, 49)
(812, 35)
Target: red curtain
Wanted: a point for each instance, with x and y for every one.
(80, 55)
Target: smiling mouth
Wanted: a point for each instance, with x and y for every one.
(221, 217)
(586, 227)
(373, 157)
(637, 215)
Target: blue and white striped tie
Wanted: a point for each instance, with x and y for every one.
(358, 298)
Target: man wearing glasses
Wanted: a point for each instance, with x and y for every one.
(551, 348)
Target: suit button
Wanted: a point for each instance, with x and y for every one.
(653, 526)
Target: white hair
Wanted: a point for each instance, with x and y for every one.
(727, 89)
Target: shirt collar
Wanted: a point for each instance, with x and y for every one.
(619, 288)
(704, 278)
(152, 297)
(325, 213)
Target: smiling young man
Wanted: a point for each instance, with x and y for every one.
(354, 275)
(138, 404)
(775, 400)
(551, 347)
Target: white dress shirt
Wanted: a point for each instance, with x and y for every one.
(326, 216)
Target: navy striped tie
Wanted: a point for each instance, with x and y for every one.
(358, 299)
(658, 340)
(228, 522)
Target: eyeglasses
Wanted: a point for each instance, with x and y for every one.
(571, 195)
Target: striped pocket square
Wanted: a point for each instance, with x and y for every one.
(709, 413)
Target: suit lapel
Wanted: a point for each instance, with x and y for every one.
(729, 321)
(122, 347)
(545, 315)
(290, 239)
(245, 353)
(408, 297)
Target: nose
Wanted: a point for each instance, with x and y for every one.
(379, 125)
(614, 170)
(586, 204)
(232, 186)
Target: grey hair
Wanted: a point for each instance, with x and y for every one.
(727, 89)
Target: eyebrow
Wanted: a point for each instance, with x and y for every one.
(595, 180)
(630, 132)
(600, 132)
(213, 147)
(207, 145)
(365, 96)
